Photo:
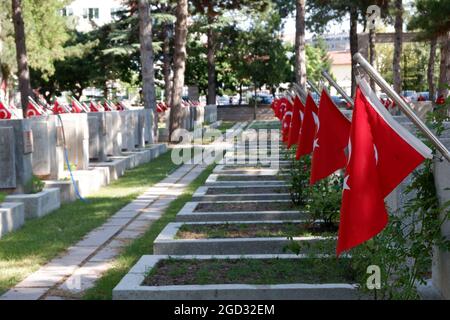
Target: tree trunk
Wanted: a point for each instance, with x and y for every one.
(353, 43)
(373, 54)
(430, 71)
(240, 93)
(398, 45)
(148, 72)
(300, 57)
(167, 65)
(444, 72)
(211, 61)
(21, 54)
(179, 65)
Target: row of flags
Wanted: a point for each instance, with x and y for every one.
(41, 107)
(162, 106)
(374, 150)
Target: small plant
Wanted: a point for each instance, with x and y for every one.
(34, 185)
(72, 166)
(2, 196)
(325, 201)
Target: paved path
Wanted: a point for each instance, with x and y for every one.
(75, 271)
(67, 276)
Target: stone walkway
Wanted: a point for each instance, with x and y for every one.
(67, 276)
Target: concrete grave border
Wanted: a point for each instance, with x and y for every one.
(213, 181)
(39, 204)
(131, 288)
(166, 243)
(201, 195)
(187, 213)
(12, 217)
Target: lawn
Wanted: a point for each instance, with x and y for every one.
(144, 245)
(24, 251)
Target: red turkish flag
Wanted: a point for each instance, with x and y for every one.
(296, 123)
(276, 108)
(331, 140)
(381, 154)
(308, 129)
(286, 120)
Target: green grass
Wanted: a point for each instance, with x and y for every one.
(2, 196)
(250, 271)
(24, 251)
(143, 245)
(225, 125)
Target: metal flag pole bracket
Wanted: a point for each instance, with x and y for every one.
(300, 91)
(338, 88)
(372, 73)
(313, 87)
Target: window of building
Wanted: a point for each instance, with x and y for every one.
(91, 13)
(66, 12)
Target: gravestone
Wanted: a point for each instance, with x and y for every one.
(76, 131)
(22, 145)
(97, 136)
(48, 157)
(113, 143)
(7, 159)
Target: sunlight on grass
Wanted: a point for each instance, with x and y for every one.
(144, 245)
(24, 251)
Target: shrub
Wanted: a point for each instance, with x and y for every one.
(34, 185)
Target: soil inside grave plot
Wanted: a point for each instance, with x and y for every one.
(250, 178)
(253, 230)
(245, 206)
(250, 271)
(251, 190)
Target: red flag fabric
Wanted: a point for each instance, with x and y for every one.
(276, 108)
(296, 123)
(381, 154)
(34, 110)
(286, 119)
(4, 112)
(308, 129)
(333, 131)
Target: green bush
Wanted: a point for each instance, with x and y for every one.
(325, 200)
(2, 197)
(34, 185)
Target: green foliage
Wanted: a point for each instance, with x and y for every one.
(299, 173)
(34, 185)
(317, 60)
(325, 200)
(2, 196)
(413, 63)
(46, 33)
(431, 17)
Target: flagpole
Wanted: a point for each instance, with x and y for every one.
(367, 67)
(301, 92)
(338, 88)
(313, 87)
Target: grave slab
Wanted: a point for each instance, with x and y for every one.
(12, 217)
(167, 244)
(131, 288)
(39, 204)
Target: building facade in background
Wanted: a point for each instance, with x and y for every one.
(88, 14)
